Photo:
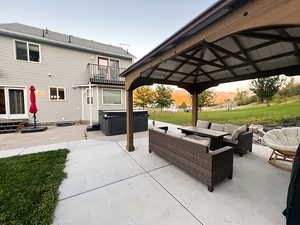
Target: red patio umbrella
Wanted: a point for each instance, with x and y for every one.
(33, 109)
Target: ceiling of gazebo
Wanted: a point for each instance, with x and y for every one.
(265, 51)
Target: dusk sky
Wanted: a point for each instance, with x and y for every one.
(141, 24)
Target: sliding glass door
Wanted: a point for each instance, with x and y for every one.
(2, 103)
(13, 103)
(16, 101)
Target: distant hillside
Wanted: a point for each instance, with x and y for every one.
(181, 96)
(221, 96)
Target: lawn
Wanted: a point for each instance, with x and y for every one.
(29, 187)
(271, 115)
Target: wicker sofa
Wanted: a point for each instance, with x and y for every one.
(193, 156)
(240, 138)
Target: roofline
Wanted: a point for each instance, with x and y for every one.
(45, 40)
(180, 32)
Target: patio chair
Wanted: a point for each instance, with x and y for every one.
(203, 124)
(293, 200)
(284, 143)
(239, 137)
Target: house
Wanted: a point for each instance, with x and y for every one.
(60, 67)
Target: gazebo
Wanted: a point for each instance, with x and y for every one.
(231, 41)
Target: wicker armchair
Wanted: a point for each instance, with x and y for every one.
(210, 167)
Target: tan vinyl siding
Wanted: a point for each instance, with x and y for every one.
(67, 67)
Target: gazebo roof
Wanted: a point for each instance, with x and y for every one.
(218, 47)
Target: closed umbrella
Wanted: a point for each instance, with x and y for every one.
(33, 108)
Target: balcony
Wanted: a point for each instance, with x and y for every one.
(105, 74)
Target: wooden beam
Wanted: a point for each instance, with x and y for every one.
(198, 68)
(129, 120)
(284, 33)
(242, 49)
(202, 61)
(288, 71)
(216, 54)
(250, 49)
(152, 71)
(166, 70)
(194, 108)
(257, 61)
(279, 12)
(181, 64)
(270, 37)
(225, 51)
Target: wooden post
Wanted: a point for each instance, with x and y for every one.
(194, 108)
(129, 120)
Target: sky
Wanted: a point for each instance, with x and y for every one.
(138, 25)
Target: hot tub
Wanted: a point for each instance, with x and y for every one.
(114, 122)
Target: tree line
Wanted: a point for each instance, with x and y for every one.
(264, 90)
(160, 97)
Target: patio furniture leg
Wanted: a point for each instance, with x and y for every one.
(210, 188)
(276, 156)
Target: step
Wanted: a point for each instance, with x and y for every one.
(7, 131)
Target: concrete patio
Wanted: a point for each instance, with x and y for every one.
(107, 185)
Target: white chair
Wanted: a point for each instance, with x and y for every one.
(284, 143)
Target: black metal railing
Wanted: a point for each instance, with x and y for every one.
(105, 74)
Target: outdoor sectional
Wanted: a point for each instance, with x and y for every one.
(193, 156)
(240, 138)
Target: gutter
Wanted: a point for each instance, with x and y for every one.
(58, 43)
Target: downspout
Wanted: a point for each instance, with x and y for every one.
(90, 104)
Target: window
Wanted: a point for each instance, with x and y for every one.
(112, 97)
(57, 94)
(16, 101)
(21, 50)
(27, 51)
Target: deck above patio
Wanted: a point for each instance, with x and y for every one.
(99, 74)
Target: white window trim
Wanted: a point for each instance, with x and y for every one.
(7, 115)
(109, 89)
(57, 100)
(108, 58)
(27, 44)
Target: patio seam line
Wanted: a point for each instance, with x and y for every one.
(105, 185)
(148, 173)
(111, 183)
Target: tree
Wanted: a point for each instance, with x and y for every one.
(205, 98)
(182, 106)
(143, 97)
(266, 88)
(163, 97)
(243, 98)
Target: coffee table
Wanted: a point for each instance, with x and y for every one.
(216, 137)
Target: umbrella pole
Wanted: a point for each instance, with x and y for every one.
(34, 119)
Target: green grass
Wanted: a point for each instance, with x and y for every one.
(271, 115)
(29, 187)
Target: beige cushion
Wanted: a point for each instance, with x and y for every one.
(286, 139)
(229, 128)
(202, 124)
(228, 138)
(238, 131)
(217, 126)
